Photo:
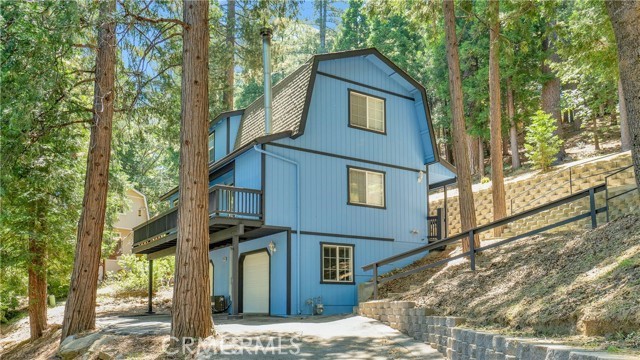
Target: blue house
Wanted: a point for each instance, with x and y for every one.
(340, 181)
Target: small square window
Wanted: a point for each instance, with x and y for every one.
(366, 187)
(366, 112)
(337, 263)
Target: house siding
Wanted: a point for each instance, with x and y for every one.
(325, 214)
(278, 284)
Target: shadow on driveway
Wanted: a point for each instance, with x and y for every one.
(262, 337)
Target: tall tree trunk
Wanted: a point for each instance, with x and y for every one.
(79, 312)
(497, 175)
(480, 158)
(625, 135)
(37, 287)
(227, 95)
(613, 120)
(473, 156)
(323, 26)
(550, 95)
(460, 147)
(513, 129)
(596, 142)
(191, 313)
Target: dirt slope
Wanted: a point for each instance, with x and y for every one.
(574, 283)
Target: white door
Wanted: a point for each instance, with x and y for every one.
(255, 283)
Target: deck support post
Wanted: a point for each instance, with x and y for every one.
(446, 226)
(235, 258)
(592, 203)
(150, 305)
(472, 251)
(375, 281)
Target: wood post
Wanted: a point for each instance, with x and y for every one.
(472, 251)
(592, 201)
(150, 305)
(235, 258)
(375, 281)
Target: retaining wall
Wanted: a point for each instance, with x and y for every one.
(446, 334)
(535, 190)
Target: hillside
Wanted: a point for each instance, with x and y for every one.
(563, 284)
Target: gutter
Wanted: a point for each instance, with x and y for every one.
(298, 209)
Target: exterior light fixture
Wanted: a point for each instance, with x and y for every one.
(272, 247)
(420, 176)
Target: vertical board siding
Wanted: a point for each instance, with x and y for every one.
(328, 130)
(362, 70)
(324, 196)
(234, 121)
(340, 298)
(248, 173)
(221, 139)
(278, 285)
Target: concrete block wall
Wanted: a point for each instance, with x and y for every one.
(454, 342)
(533, 191)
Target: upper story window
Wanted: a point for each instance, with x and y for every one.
(366, 187)
(367, 112)
(212, 146)
(337, 263)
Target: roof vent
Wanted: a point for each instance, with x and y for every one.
(266, 32)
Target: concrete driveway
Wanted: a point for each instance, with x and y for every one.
(324, 337)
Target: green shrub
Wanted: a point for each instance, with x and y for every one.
(541, 144)
(133, 279)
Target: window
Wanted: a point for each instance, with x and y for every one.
(366, 187)
(367, 112)
(212, 146)
(337, 263)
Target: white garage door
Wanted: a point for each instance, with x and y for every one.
(255, 283)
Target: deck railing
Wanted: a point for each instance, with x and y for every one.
(224, 201)
(468, 236)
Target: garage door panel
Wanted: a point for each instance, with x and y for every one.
(255, 283)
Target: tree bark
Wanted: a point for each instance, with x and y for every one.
(550, 95)
(460, 147)
(191, 313)
(624, 18)
(228, 94)
(37, 288)
(625, 135)
(480, 158)
(596, 142)
(79, 313)
(323, 26)
(497, 175)
(613, 120)
(513, 129)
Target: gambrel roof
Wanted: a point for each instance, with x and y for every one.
(292, 97)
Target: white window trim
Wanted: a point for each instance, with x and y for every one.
(213, 133)
(367, 173)
(384, 113)
(351, 261)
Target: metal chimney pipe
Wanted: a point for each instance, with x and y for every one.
(266, 63)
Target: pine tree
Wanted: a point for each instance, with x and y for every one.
(191, 311)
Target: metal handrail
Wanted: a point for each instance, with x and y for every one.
(606, 181)
(570, 181)
(470, 234)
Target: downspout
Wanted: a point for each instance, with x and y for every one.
(298, 207)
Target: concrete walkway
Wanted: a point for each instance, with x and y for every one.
(325, 337)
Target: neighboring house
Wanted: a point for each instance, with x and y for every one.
(339, 182)
(136, 214)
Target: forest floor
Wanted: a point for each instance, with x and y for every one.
(556, 285)
(14, 338)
